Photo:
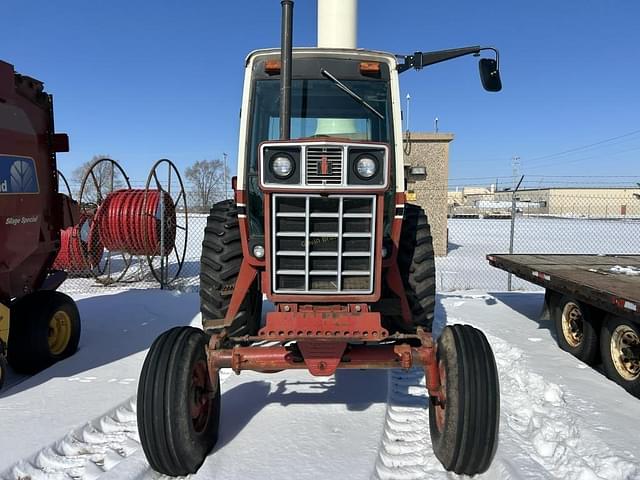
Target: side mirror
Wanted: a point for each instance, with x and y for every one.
(490, 75)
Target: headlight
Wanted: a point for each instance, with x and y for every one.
(366, 167)
(282, 166)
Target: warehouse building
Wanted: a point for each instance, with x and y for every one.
(561, 202)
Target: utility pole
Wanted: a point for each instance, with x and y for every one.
(436, 124)
(224, 155)
(515, 169)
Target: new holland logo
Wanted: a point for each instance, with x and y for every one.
(17, 175)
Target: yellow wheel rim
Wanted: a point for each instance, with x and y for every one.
(572, 327)
(59, 332)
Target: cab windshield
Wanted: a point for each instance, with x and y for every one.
(319, 109)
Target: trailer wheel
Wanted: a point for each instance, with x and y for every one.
(219, 269)
(45, 328)
(464, 431)
(178, 407)
(576, 328)
(417, 268)
(620, 348)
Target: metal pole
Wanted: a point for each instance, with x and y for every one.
(286, 43)
(513, 226)
(224, 155)
(162, 259)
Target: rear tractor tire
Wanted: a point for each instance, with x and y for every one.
(219, 268)
(45, 328)
(576, 328)
(417, 269)
(464, 429)
(178, 407)
(620, 348)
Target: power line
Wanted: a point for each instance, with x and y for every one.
(583, 147)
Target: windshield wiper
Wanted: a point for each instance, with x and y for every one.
(350, 92)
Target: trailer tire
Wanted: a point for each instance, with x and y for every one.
(576, 327)
(417, 269)
(174, 383)
(618, 333)
(464, 432)
(219, 268)
(45, 328)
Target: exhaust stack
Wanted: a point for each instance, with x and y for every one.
(337, 23)
(286, 45)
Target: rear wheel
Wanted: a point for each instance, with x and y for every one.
(219, 269)
(45, 328)
(178, 407)
(417, 269)
(576, 328)
(620, 348)
(464, 429)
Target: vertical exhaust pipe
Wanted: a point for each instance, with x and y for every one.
(286, 43)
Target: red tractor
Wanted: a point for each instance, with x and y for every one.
(38, 326)
(320, 225)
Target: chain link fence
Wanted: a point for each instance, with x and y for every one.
(565, 221)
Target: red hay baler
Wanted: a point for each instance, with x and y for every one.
(38, 325)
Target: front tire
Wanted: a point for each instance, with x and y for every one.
(45, 328)
(576, 328)
(178, 407)
(464, 431)
(219, 268)
(620, 348)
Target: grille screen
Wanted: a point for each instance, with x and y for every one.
(323, 244)
(324, 165)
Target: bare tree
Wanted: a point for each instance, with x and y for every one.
(207, 181)
(102, 179)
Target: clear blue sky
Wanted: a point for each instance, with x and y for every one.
(140, 80)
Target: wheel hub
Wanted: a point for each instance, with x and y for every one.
(624, 343)
(59, 332)
(201, 395)
(572, 324)
(441, 402)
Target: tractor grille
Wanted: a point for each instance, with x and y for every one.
(323, 244)
(324, 165)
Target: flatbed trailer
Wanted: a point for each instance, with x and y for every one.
(594, 302)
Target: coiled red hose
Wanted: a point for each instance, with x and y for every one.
(80, 247)
(129, 221)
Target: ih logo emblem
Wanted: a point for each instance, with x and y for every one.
(325, 166)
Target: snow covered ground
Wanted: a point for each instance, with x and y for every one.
(559, 418)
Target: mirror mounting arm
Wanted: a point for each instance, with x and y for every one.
(420, 60)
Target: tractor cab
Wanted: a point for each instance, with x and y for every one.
(338, 169)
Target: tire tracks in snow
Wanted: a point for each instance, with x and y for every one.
(540, 435)
(90, 451)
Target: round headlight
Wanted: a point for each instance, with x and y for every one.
(366, 167)
(258, 251)
(282, 166)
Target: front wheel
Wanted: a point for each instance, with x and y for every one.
(464, 426)
(178, 407)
